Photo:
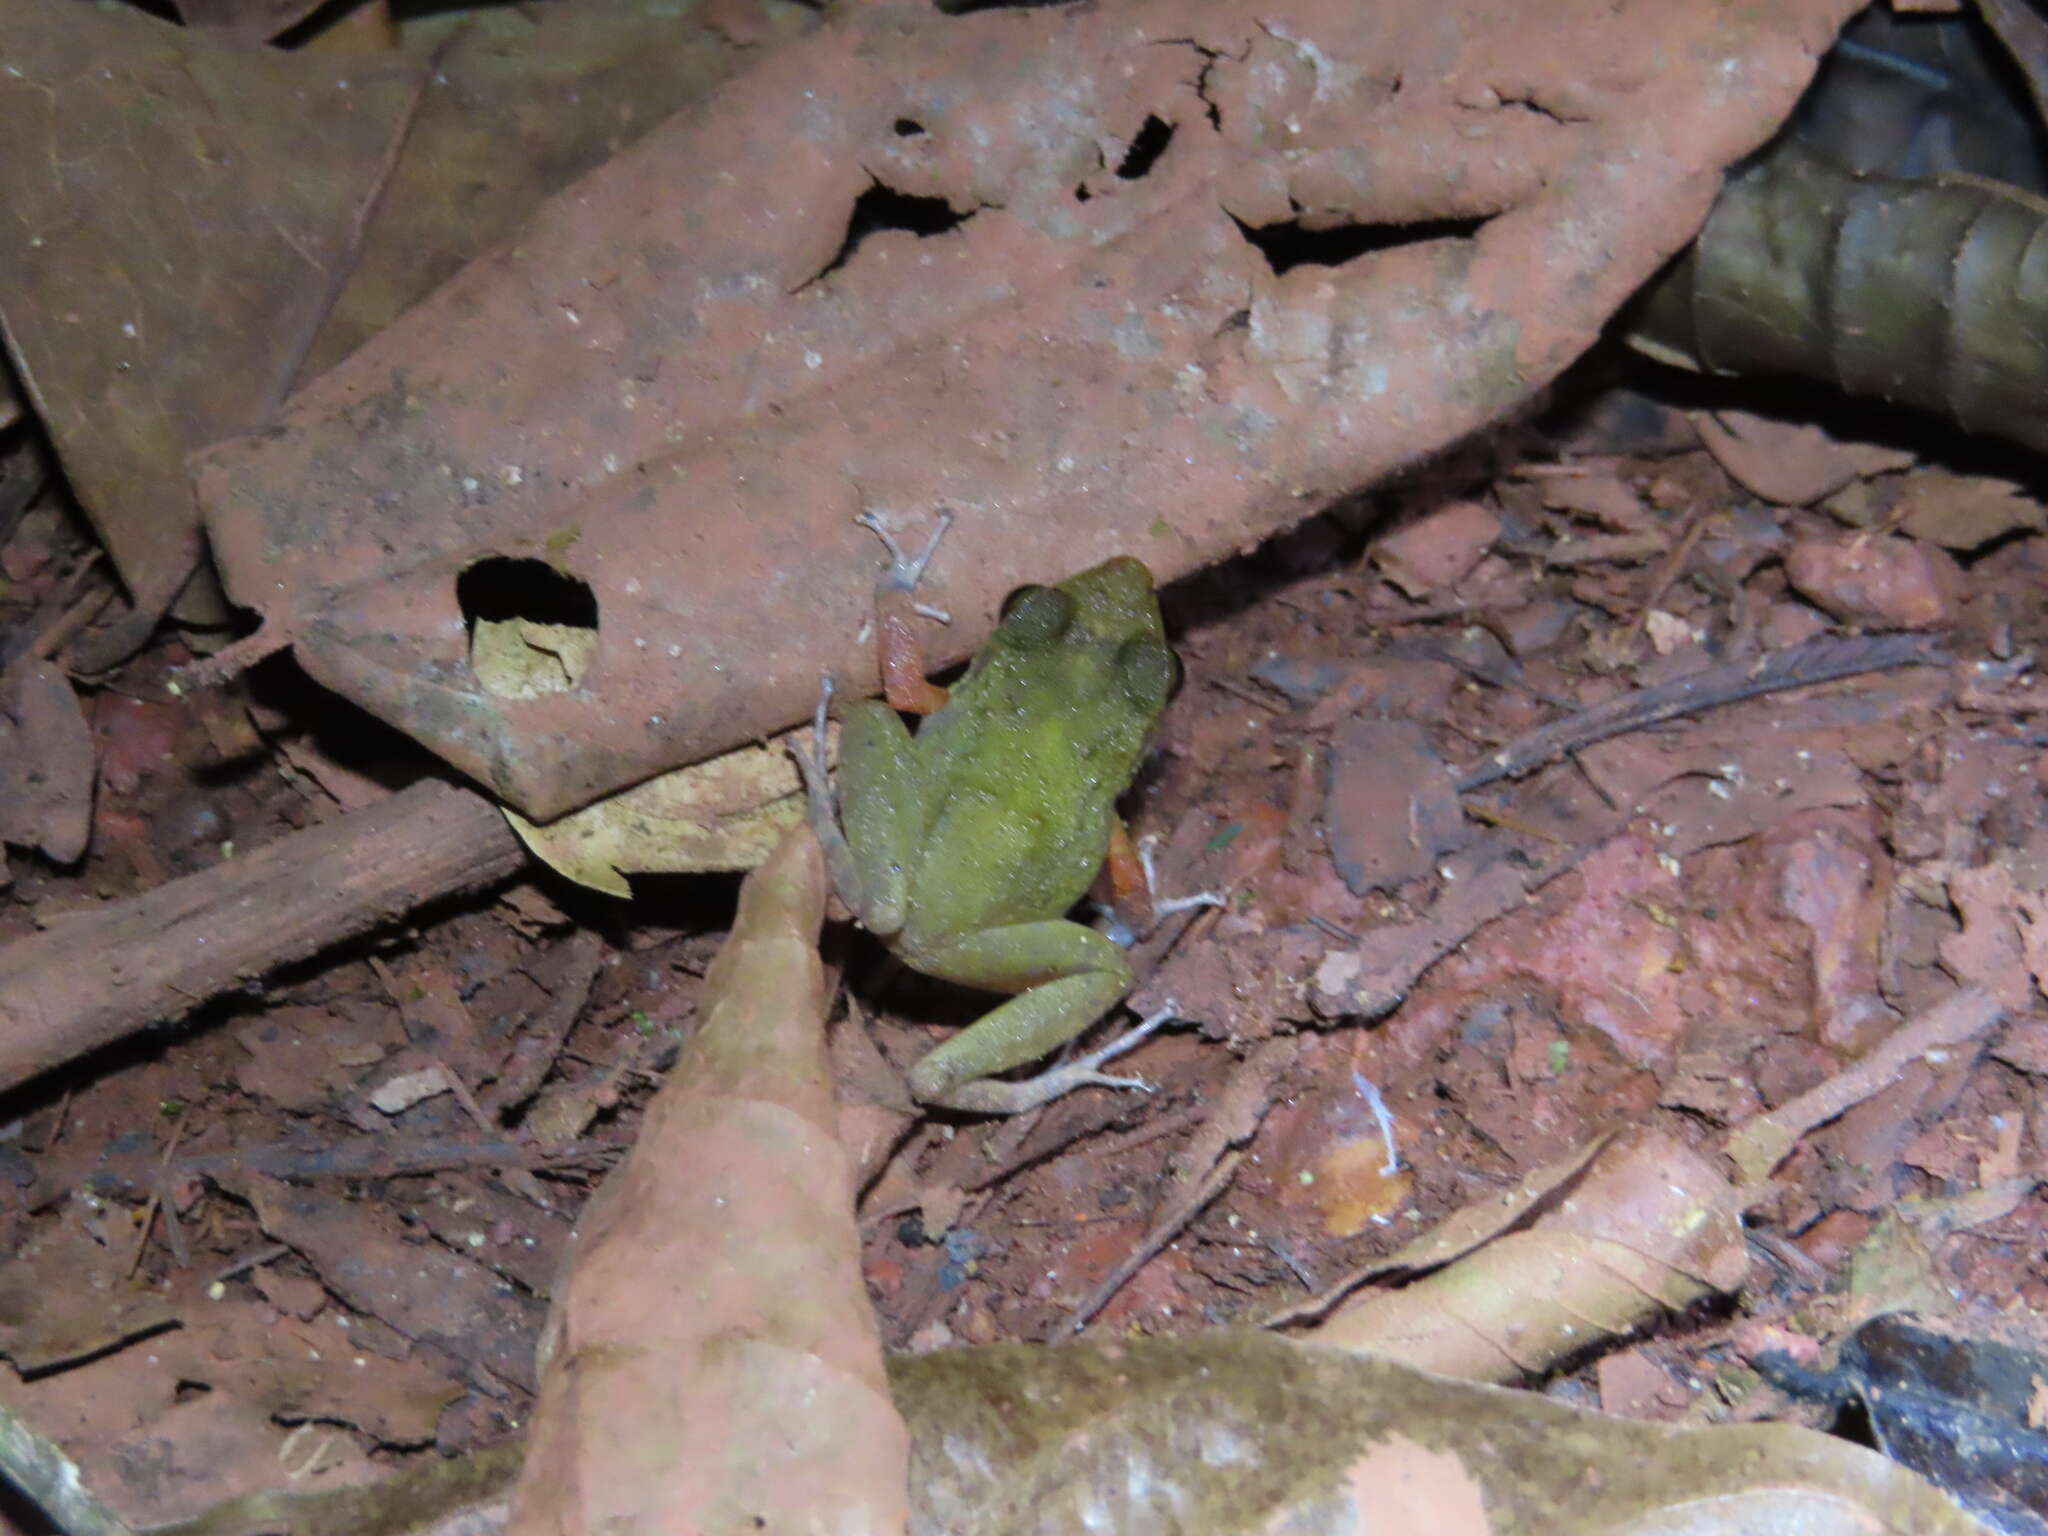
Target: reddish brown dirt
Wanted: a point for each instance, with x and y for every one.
(325, 1212)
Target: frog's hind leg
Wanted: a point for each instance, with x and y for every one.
(1083, 974)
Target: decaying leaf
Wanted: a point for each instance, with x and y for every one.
(199, 224)
(176, 211)
(524, 658)
(522, 101)
(431, 1293)
(444, 1496)
(46, 763)
(246, 21)
(200, 1410)
(1389, 809)
(1458, 1233)
(728, 813)
(1238, 1431)
(698, 364)
(1922, 293)
(41, 1327)
(1234, 1431)
(1650, 1225)
(1963, 511)
(1790, 464)
(711, 1362)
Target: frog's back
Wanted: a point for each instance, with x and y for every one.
(1019, 834)
(1031, 751)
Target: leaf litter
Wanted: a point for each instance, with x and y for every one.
(230, 1255)
(1704, 923)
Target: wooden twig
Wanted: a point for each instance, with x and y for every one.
(93, 978)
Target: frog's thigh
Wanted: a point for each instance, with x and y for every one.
(1071, 976)
(881, 806)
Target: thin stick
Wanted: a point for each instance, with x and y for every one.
(1798, 666)
(92, 979)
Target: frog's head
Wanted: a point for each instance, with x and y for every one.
(1115, 601)
(1100, 632)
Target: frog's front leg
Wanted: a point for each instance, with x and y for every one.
(1065, 977)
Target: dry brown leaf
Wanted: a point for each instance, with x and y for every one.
(178, 210)
(453, 1496)
(711, 1362)
(46, 763)
(426, 1291)
(1877, 581)
(1999, 945)
(1896, 1267)
(728, 813)
(1458, 1233)
(1439, 550)
(200, 224)
(1601, 496)
(668, 400)
(247, 21)
(1649, 1226)
(522, 101)
(1239, 1431)
(1389, 810)
(43, 1324)
(232, 1400)
(1963, 511)
(1789, 463)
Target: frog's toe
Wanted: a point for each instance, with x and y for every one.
(906, 569)
(1124, 1042)
(809, 757)
(1167, 906)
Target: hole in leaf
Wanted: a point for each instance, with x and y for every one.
(908, 128)
(881, 208)
(963, 7)
(1288, 245)
(1150, 142)
(532, 628)
(504, 588)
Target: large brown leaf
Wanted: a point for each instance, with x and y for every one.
(673, 392)
(195, 226)
(711, 1361)
(178, 213)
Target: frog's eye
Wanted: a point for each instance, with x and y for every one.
(1149, 672)
(1036, 615)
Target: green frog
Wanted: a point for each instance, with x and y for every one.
(964, 847)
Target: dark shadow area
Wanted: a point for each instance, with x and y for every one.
(1147, 145)
(500, 588)
(1289, 245)
(882, 208)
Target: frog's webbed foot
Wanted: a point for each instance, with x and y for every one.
(906, 570)
(990, 1097)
